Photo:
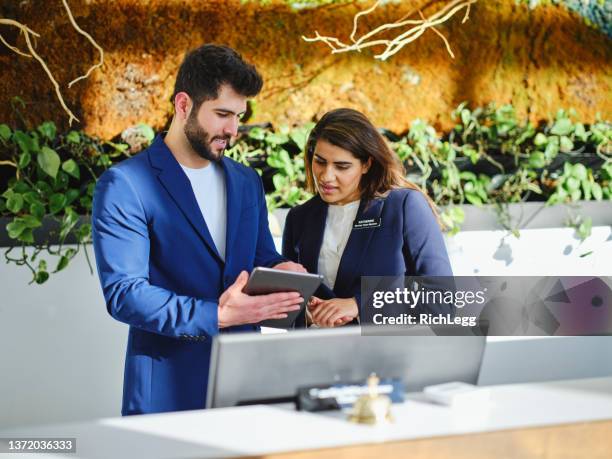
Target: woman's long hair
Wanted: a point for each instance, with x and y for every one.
(352, 131)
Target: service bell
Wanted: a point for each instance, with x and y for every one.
(372, 408)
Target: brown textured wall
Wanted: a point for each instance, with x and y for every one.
(539, 60)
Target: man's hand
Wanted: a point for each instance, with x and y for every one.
(238, 308)
(291, 266)
(334, 312)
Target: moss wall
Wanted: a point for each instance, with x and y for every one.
(539, 59)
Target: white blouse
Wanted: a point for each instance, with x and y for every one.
(338, 228)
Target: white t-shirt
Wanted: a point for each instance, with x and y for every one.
(338, 227)
(208, 184)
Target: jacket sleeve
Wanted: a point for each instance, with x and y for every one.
(265, 254)
(424, 250)
(289, 247)
(121, 244)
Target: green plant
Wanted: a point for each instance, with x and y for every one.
(282, 151)
(54, 179)
(489, 158)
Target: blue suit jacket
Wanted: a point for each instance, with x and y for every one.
(161, 273)
(408, 241)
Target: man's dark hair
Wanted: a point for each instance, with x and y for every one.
(206, 68)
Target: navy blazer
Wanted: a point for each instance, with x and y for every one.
(161, 273)
(408, 241)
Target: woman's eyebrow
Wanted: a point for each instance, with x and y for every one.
(341, 163)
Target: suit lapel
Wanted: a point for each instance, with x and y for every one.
(234, 205)
(356, 246)
(310, 245)
(176, 183)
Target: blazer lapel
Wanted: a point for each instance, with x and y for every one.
(233, 188)
(310, 244)
(356, 246)
(176, 183)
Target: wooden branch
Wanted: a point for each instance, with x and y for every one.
(91, 40)
(418, 27)
(28, 33)
(35, 55)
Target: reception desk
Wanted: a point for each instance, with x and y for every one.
(553, 419)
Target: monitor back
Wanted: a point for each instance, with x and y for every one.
(255, 368)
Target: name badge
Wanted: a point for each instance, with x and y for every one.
(367, 223)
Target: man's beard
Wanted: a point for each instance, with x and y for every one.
(200, 140)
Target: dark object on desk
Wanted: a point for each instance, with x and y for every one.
(267, 280)
(343, 395)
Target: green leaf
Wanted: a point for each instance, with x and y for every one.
(31, 197)
(71, 167)
(44, 188)
(71, 195)
(562, 126)
(85, 202)
(580, 132)
(5, 132)
(257, 133)
(23, 141)
(104, 160)
(147, 132)
(579, 171)
(473, 199)
(15, 228)
(61, 181)
(73, 137)
(27, 236)
(572, 184)
(84, 232)
(24, 160)
(49, 161)
(586, 189)
(566, 144)
(279, 181)
(537, 160)
(41, 277)
(596, 190)
(552, 148)
(37, 210)
(21, 187)
(300, 135)
(14, 202)
(62, 263)
(57, 202)
(30, 221)
(48, 130)
(540, 139)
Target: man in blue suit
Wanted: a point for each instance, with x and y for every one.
(175, 231)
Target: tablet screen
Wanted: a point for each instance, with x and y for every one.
(267, 280)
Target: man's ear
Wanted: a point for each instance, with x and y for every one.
(182, 105)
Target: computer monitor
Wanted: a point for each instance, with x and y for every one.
(248, 368)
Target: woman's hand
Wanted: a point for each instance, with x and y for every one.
(334, 312)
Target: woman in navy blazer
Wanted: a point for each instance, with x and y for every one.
(365, 220)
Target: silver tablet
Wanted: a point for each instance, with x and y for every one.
(268, 280)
